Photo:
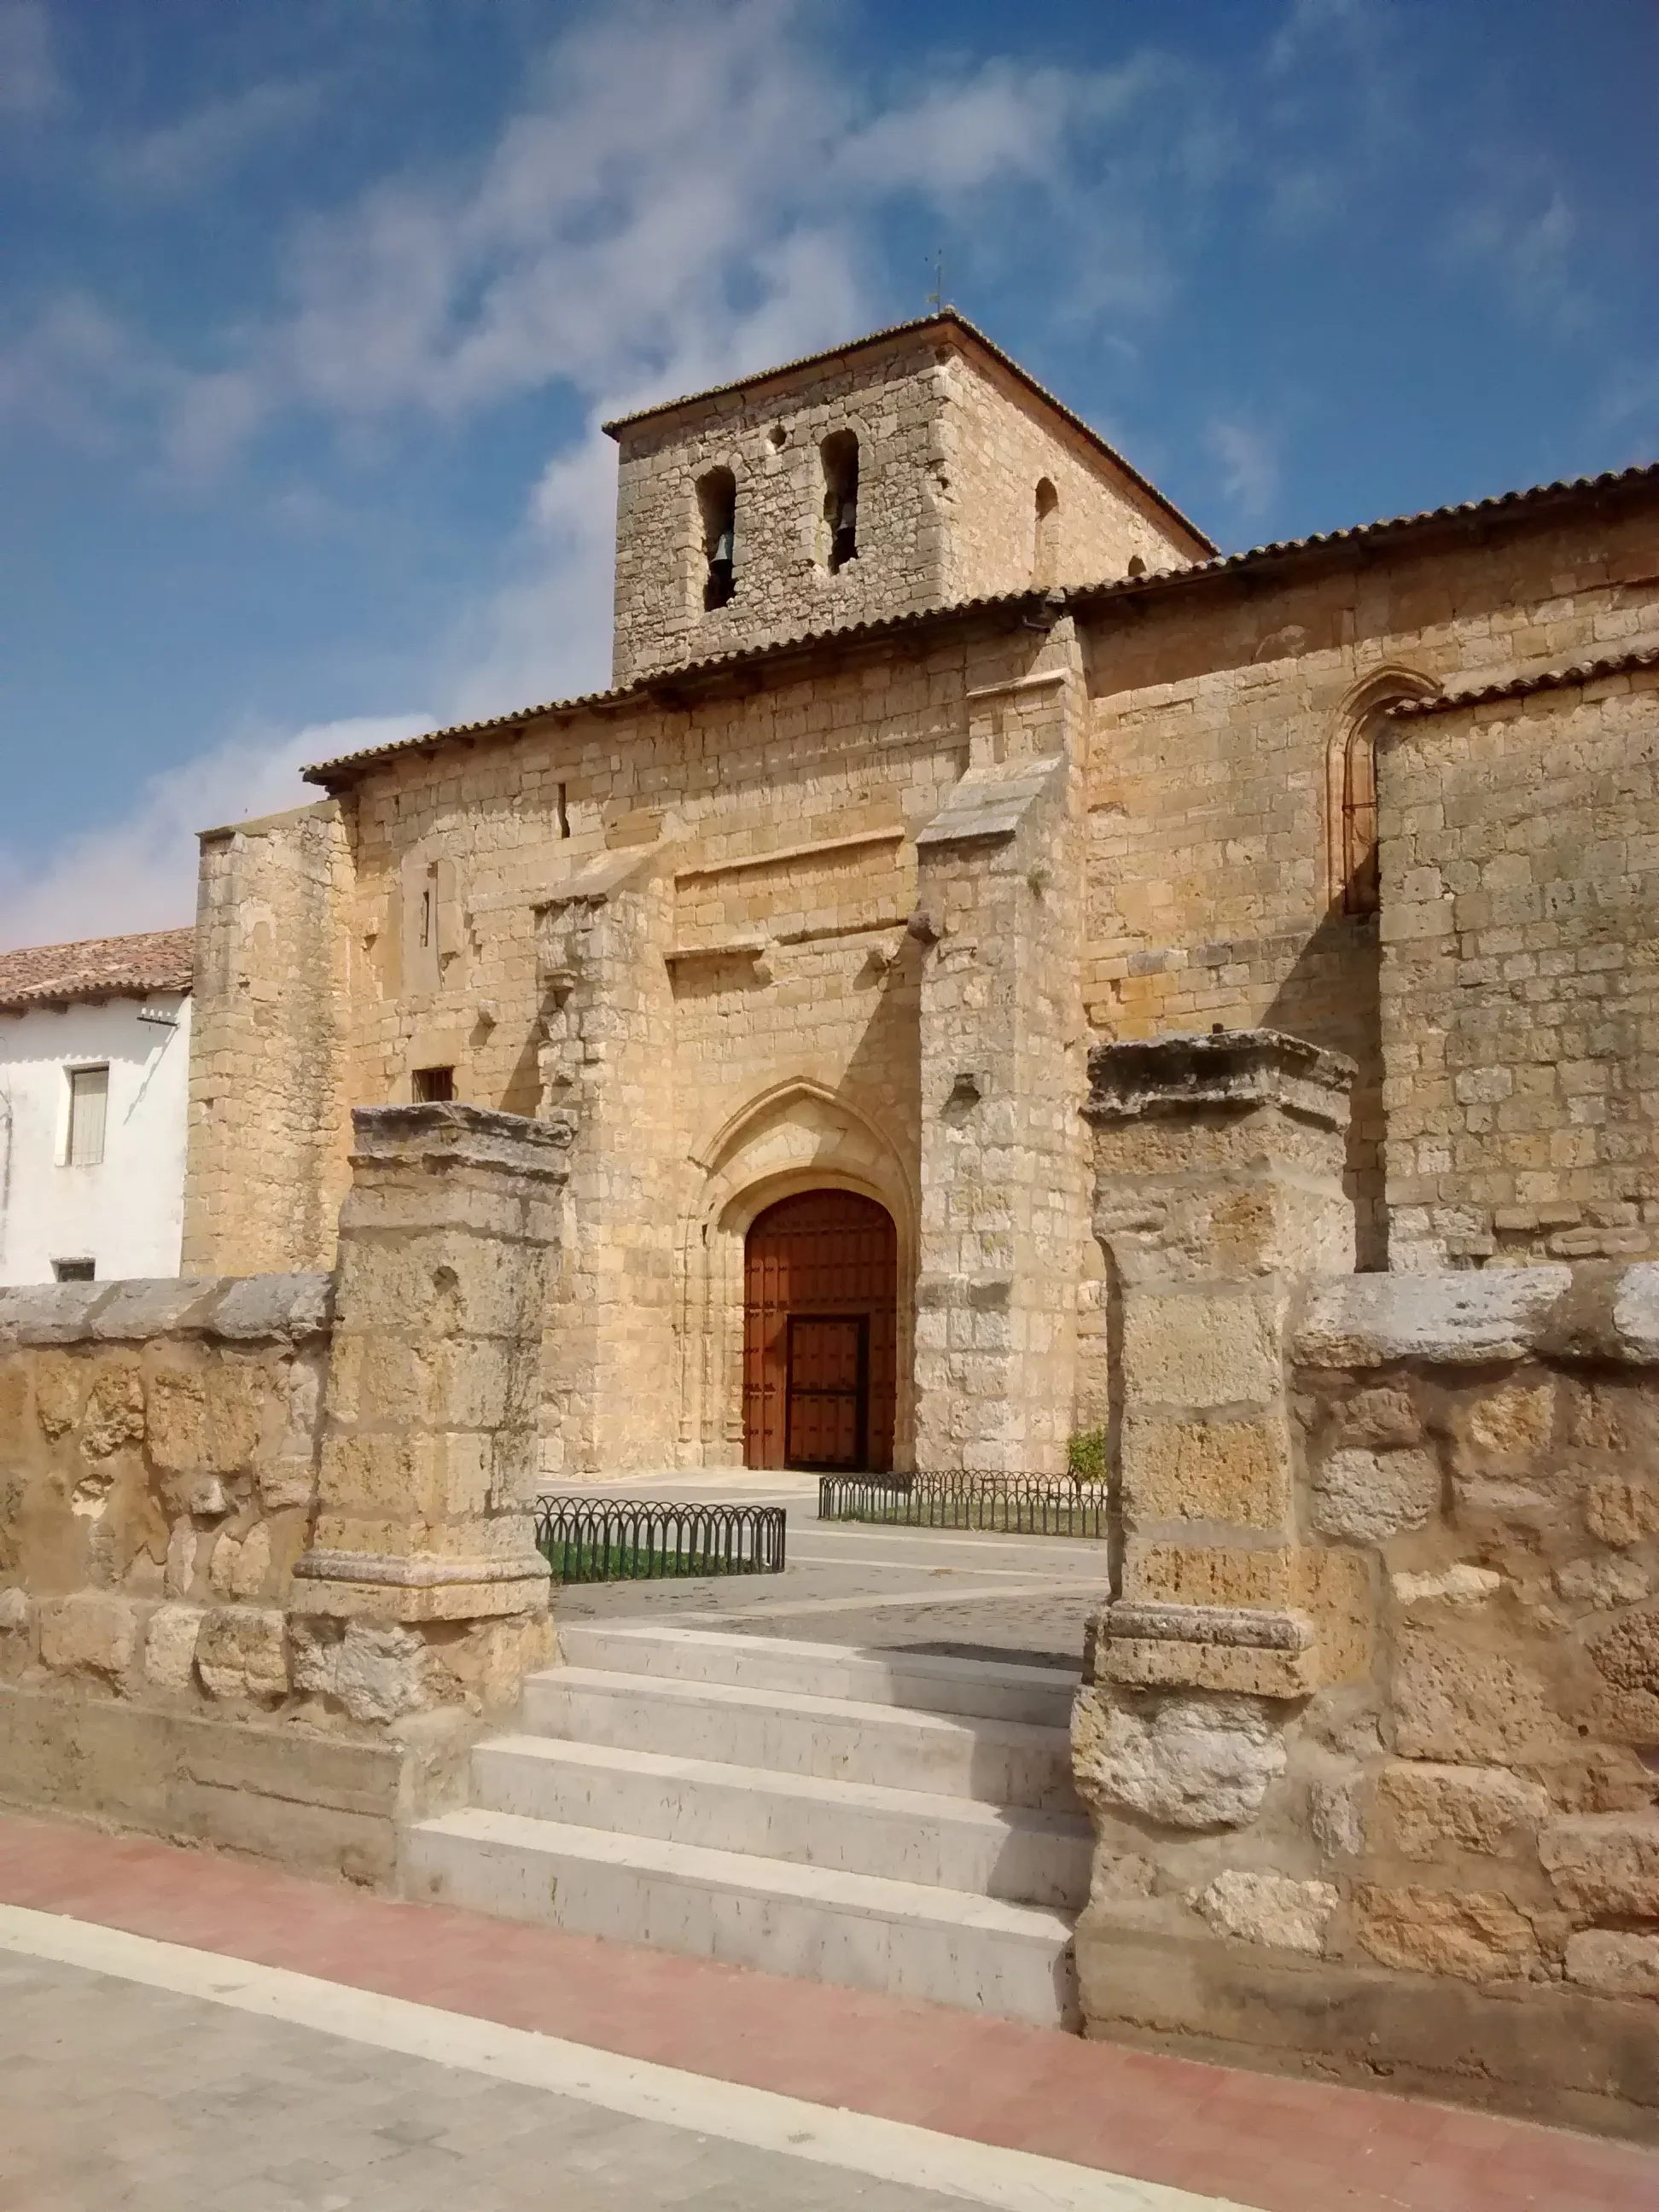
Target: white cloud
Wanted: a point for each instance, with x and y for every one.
(30, 86)
(687, 189)
(139, 872)
(1526, 235)
(184, 155)
(1248, 463)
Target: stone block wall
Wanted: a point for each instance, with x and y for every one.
(951, 447)
(1520, 972)
(1386, 1808)
(265, 1545)
(266, 1166)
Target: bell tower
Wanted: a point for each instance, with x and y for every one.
(904, 472)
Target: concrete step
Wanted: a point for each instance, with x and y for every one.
(813, 1923)
(1014, 1853)
(998, 1762)
(920, 1681)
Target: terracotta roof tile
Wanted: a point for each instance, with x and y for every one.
(97, 968)
(329, 773)
(1522, 686)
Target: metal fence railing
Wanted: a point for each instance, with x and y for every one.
(1025, 1505)
(603, 1540)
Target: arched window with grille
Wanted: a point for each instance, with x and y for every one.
(1350, 786)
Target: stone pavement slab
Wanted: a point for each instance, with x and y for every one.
(1276, 2144)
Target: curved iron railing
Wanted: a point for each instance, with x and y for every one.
(1015, 1505)
(603, 1540)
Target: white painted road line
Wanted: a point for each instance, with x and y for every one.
(890, 2150)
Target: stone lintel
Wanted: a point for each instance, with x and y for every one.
(375, 1586)
(449, 1134)
(1232, 1073)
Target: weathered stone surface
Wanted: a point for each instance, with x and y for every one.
(179, 1575)
(286, 1481)
(60, 1388)
(114, 1415)
(1602, 1584)
(1636, 1313)
(177, 1411)
(170, 1646)
(1430, 1810)
(1515, 1419)
(1614, 1962)
(1605, 1865)
(1627, 1654)
(250, 1568)
(377, 1672)
(1188, 1349)
(1230, 1471)
(1269, 1908)
(1336, 1817)
(1468, 1707)
(289, 1308)
(206, 1497)
(15, 1611)
(92, 1633)
(1478, 1937)
(1197, 1762)
(1622, 1510)
(1368, 1496)
(1462, 1586)
(1383, 1419)
(240, 1652)
(1455, 1319)
(1117, 1876)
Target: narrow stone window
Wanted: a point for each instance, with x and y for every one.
(88, 1108)
(564, 813)
(717, 508)
(1045, 550)
(434, 1086)
(1350, 786)
(839, 454)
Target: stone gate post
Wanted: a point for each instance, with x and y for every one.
(422, 1584)
(1217, 1183)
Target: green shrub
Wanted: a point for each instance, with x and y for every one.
(1085, 1455)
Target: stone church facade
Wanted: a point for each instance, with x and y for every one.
(939, 749)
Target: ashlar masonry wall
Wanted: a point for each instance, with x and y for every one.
(1370, 1734)
(1221, 707)
(1520, 978)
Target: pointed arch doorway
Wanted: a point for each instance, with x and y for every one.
(820, 1333)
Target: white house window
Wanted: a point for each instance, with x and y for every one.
(73, 1271)
(89, 1110)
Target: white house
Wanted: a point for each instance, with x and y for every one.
(94, 1063)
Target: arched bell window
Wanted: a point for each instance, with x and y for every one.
(717, 509)
(1045, 546)
(839, 454)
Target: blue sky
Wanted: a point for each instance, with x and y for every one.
(309, 310)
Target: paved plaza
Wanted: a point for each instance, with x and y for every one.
(182, 2032)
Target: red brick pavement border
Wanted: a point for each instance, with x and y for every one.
(1262, 2140)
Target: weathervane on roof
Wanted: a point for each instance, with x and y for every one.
(936, 297)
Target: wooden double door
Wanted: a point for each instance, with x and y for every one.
(820, 1333)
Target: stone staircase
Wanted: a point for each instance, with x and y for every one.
(895, 1821)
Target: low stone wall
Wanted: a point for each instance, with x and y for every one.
(1439, 1867)
(266, 1557)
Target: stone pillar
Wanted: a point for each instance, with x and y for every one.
(1004, 1214)
(424, 1563)
(1219, 1167)
(607, 1056)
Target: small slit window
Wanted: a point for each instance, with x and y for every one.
(1046, 534)
(717, 510)
(839, 454)
(434, 1086)
(73, 1271)
(88, 1110)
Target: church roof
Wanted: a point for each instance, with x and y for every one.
(97, 968)
(947, 318)
(1523, 687)
(342, 771)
